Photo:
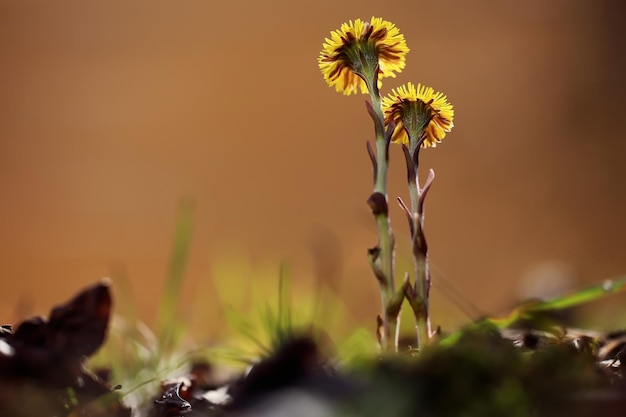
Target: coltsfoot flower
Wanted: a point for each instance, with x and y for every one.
(361, 53)
(419, 113)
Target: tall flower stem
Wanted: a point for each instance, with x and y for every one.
(354, 59)
(418, 295)
(422, 117)
(382, 256)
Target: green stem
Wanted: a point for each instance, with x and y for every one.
(385, 234)
(420, 253)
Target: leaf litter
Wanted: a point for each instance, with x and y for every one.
(522, 365)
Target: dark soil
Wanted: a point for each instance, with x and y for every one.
(486, 372)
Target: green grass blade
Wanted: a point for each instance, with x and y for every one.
(245, 328)
(586, 295)
(535, 307)
(285, 312)
(168, 323)
(583, 296)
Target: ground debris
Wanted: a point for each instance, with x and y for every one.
(41, 361)
(484, 371)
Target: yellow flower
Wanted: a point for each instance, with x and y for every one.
(420, 114)
(361, 53)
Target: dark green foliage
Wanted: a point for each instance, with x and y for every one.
(481, 375)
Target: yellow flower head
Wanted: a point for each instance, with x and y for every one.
(360, 53)
(419, 114)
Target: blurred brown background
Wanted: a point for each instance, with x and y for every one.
(113, 111)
